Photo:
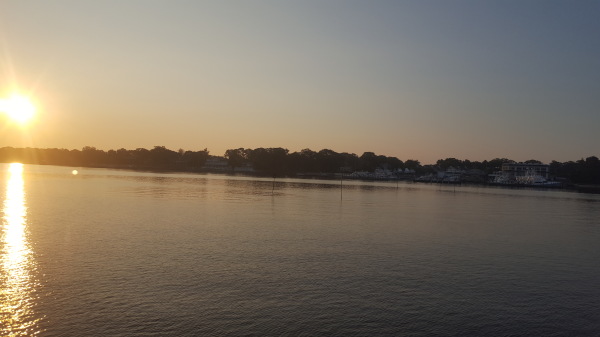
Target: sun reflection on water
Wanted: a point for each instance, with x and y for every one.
(16, 281)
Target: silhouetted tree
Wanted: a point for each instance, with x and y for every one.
(124, 157)
(351, 162)
(496, 164)
(444, 164)
(194, 159)
(368, 161)
(308, 161)
(162, 157)
(589, 170)
(141, 157)
(412, 164)
(236, 157)
(329, 161)
(271, 161)
(90, 156)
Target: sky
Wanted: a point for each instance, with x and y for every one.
(420, 80)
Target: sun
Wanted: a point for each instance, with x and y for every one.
(18, 108)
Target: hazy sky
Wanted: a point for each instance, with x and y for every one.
(413, 79)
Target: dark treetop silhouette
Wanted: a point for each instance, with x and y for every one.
(275, 161)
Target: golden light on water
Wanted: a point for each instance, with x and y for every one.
(16, 281)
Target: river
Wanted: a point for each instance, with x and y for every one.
(121, 253)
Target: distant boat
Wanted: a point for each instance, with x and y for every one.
(547, 183)
(529, 179)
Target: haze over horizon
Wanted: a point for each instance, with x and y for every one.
(418, 80)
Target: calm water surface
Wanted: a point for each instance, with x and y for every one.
(118, 253)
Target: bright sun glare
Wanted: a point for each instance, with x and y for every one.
(18, 108)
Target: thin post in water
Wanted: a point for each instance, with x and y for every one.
(341, 184)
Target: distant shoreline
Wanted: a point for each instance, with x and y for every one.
(324, 164)
(581, 188)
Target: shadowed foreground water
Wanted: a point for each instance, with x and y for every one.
(117, 253)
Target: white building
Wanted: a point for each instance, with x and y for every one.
(524, 169)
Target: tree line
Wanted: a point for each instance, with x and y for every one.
(277, 161)
(158, 157)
